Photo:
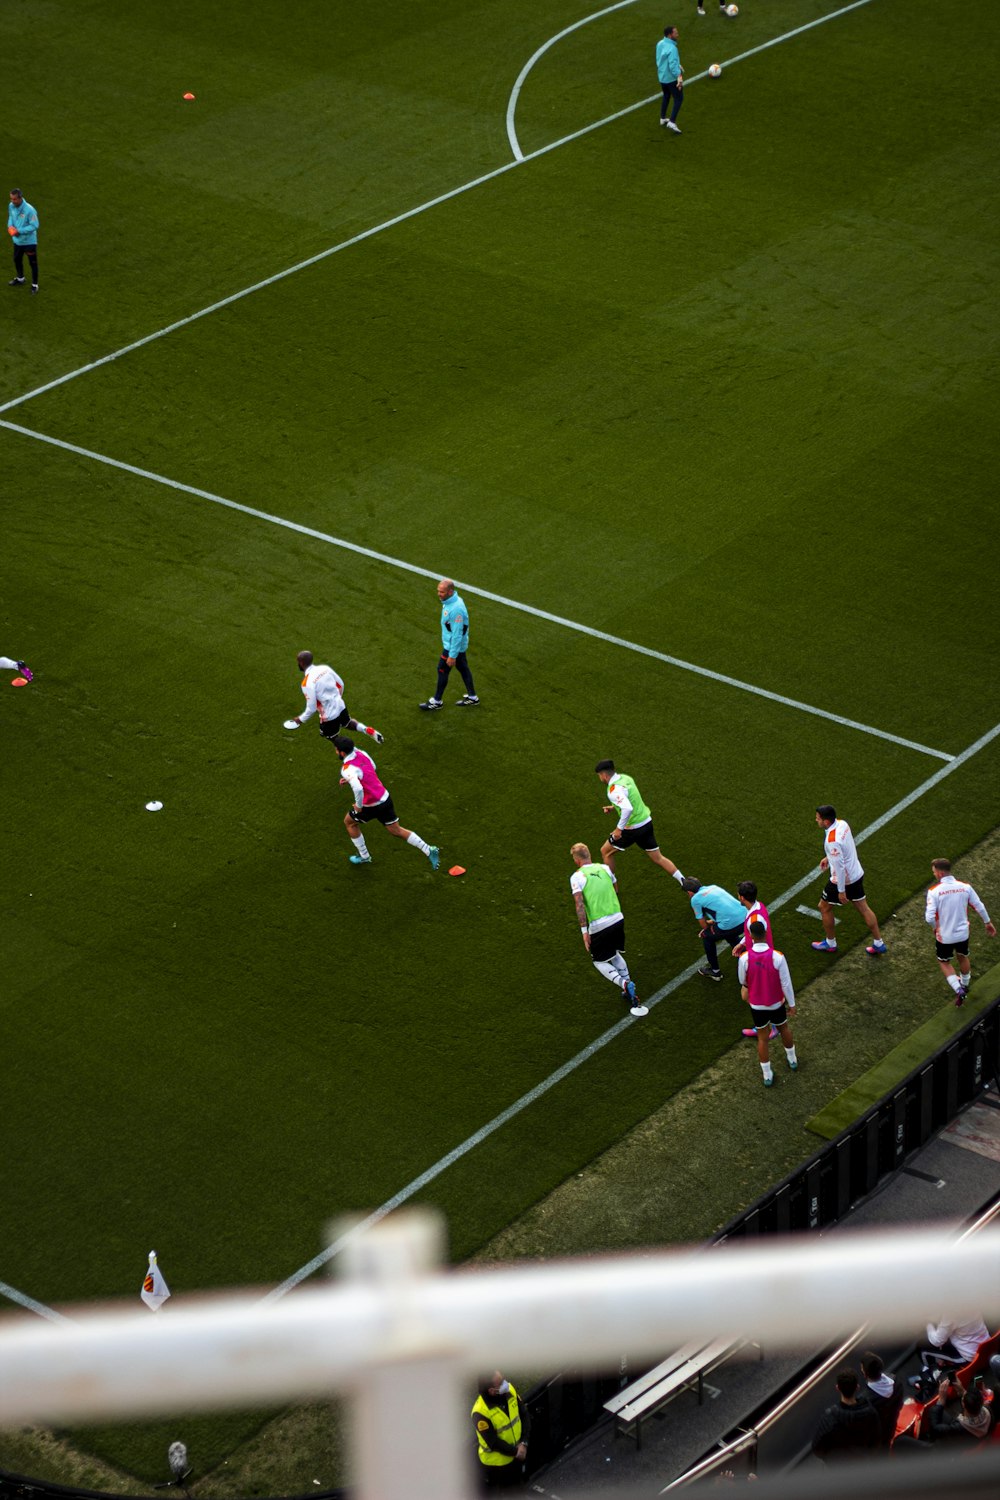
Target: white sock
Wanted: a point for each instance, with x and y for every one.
(621, 966)
(965, 979)
(767, 1070)
(790, 1054)
(831, 942)
(361, 846)
(361, 728)
(954, 981)
(418, 843)
(678, 876)
(609, 971)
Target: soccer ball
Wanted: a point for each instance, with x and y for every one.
(732, 10)
(715, 71)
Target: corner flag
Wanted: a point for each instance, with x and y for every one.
(154, 1289)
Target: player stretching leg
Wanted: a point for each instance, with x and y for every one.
(8, 665)
(372, 804)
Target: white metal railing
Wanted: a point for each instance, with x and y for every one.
(403, 1336)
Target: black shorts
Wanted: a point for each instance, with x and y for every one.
(775, 1017)
(946, 950)
(330, 727)
(609, 941)
(854, 892)
(379, 812)
(643, 836)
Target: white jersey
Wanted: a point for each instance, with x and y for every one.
(947, 909)
(966, 1337)
(324, 691)
(838, 846)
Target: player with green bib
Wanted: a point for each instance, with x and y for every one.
(635, 821)
(602, 925)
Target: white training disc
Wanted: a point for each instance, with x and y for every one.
(153, 806)
(291, 724)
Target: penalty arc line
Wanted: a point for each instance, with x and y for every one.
(366, 234)
(728, 63)
(485, 1131)
(481, 593)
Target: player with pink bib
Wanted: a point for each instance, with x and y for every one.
(767, 987)
(756, 911)
(372, 804)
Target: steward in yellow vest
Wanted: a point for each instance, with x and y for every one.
(501, 1423)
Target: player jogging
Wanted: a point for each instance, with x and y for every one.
(635, 821)
(766, 985)
(756, 911)
(324, 694)
(846, 883)
(947, 910)
(602, 926)
(372, 804)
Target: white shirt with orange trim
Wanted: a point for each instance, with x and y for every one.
(947, 909)
(838, 846)
(324, 691)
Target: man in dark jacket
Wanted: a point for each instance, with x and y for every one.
(959, 1423)
(884, 1394)
(849, 1429)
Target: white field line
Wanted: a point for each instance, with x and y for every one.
(480, 593)
(728, 63)
(485, 1131)
(23, 1300)
(409, 213)
(476, 1139)
(515, 91)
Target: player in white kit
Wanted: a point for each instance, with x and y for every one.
(846, 884)
(947, 910)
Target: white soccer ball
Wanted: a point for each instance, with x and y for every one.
(732, 10)
(715, 71)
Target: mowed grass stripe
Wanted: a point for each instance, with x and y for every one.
(390, 223)
(480, 592)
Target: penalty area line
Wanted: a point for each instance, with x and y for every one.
(485, 1131)
(481, 593)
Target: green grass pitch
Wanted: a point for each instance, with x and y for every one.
(729, 396)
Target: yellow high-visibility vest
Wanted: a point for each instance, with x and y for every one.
(506, 1423)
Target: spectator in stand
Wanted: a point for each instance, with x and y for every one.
(957, 1342)
(959, 1422)
(502, 1426)
(849, 1429)
(884, 1393)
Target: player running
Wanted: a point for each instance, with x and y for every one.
(846, 883)
(324, 694)
(947, 910)
(635, 821)
(602, 925)
(372, 804)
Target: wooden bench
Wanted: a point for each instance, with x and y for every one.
(684, 1370)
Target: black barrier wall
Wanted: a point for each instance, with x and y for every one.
(819, 1193)
(847, 1169)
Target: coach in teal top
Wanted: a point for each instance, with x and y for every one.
(721, 917)
(22, 226)
(454, 644)
(671, 76)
